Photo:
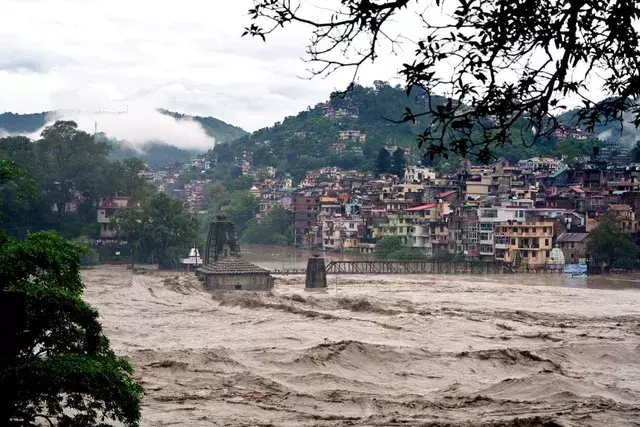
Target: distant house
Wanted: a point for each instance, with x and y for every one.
(106, 211)
(418, 174)
(573, 246)
(71, 207)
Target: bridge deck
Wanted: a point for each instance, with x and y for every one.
(416, 267)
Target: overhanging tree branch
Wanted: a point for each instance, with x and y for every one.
(506, 67)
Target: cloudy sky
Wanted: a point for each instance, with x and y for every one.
(188, 56)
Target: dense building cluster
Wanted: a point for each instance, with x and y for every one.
(514, 213)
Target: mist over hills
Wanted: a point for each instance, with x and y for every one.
(156, 136)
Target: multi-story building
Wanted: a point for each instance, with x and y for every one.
(305, 211)
(341, 233)
(106, 211)
(527, 243)
(478, 186)
(422, 227)
(626, 217)
(418, 174)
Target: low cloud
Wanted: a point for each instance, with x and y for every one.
(624, 133)
(140, 126)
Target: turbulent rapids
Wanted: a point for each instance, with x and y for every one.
(382, 351)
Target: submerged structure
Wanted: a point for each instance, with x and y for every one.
(234, 274)
(222, 240)
(316, 279)
(223, 269)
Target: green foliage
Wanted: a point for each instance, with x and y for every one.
(160, 230)
(65, 165)
(393, 248)
(63, 369)
(240, 209)
(22, 123)
(383, 162)
(273, 229)
(398, 163)
(387, 245)
(90, 255)
(406, 254)
(610, 247)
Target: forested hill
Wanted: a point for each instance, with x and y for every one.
(346, 131)
(349, 131)
(29, 123)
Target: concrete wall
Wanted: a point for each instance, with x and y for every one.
(239, 282)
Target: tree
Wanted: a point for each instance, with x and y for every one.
(610, 247)
(635, 153)
(383, 162)
(398, 162)
(72, 163)
(273, 229)
(161, 230)
(563, 50)
(393, 248)
(214, 194)
(131, 183)
(61, 368)
(241, 208)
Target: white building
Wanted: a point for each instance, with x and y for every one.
(418, 174)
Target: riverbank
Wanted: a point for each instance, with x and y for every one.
(383, 350)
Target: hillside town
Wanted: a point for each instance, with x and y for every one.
(515, 213)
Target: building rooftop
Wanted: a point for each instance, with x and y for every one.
(422, 207)
(232, 265)
(572, 237)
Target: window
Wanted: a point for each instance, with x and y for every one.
(237, 287)
(572, 246)
(548, 253)
(546, 242)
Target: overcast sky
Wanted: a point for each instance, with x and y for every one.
(186, 56)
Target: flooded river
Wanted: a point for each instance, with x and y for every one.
(378, 350)
(287, 257)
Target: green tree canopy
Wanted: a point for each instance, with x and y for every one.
(393, 248)
(398, 163)
(160, 230)
(241, 208)
(59, 367)
(610, 247)
(273, 229)
(383, 162)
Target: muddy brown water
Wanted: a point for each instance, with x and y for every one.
(379, 350)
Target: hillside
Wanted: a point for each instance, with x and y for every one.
(349, 131)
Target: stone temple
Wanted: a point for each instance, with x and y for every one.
(223, 269)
